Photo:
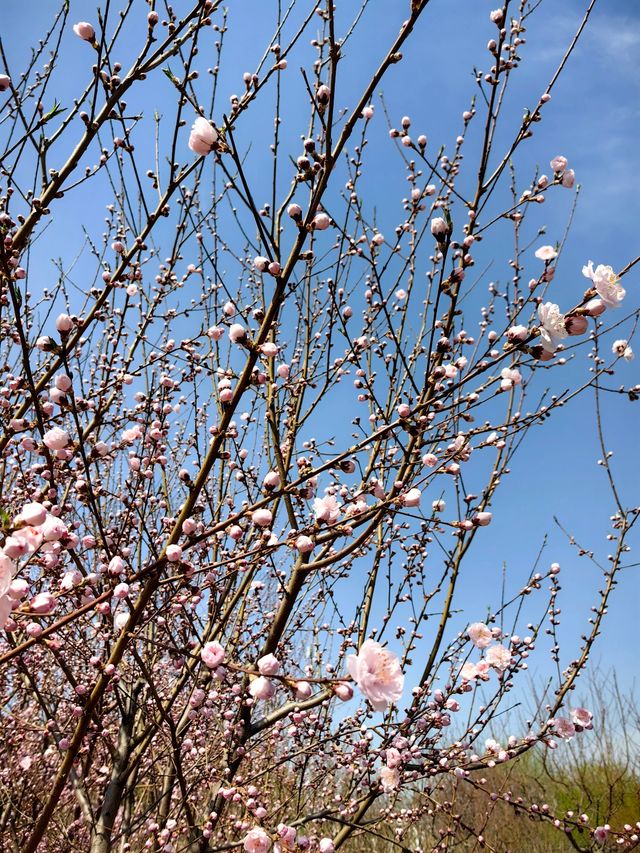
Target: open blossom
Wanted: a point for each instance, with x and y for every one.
(480, 635)
(256, 841)
(552, 326)
(203, 137)
(390, 779)
(499, 657)
(606, 284)
(564, 728)
(377, 673)
(327, 509)
(56, 438)
(546, 253)
(212, 654)
(581, 718)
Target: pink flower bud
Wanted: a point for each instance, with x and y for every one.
(272, 480)
(261, 263)
(237, 333)
(294, 211)
(43, 603)
(84, 31)
(64, 323)
(323, 94)
(321, 221)
(482, 518)
(403, 410)
(121, 590)
(203, 137)
(576, 324)
(32, 514)
(568, 179)
(268, 665)
(56, 438)
(439, 228)
(411, 498)
(261, 688)
(283, 371)
(116, 565)
(303, 689)
(5, 82)
(304, 544)
(235, 532)
(595, 307)
(261, 517)
(517, 334)
(270, 350)
(343, 691)
(559, 163)
(173, 553)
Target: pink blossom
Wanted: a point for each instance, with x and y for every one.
(7, 571)
(256, 841)
(130, 435)
(606, 284)
(559, 163)
(268, 665)
(5, 610)
(468, 671)
(499, 657)
(600, 834)
(286, 836)
(56, 438)
(377, 673)
(581, 718)
(212, 654)
(326, 845)
(5, 82)
(203, 137)
(327, 509)
(269, 350)
(430, 460)
(84, 31)
(261, 688)
(411, 498)
(480, 635)
(390, 779)
(568, 179)
(564, 728)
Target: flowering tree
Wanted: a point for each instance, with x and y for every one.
(248, 439)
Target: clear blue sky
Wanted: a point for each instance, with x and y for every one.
(593, 119)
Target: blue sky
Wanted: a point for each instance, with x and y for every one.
(593, 119)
